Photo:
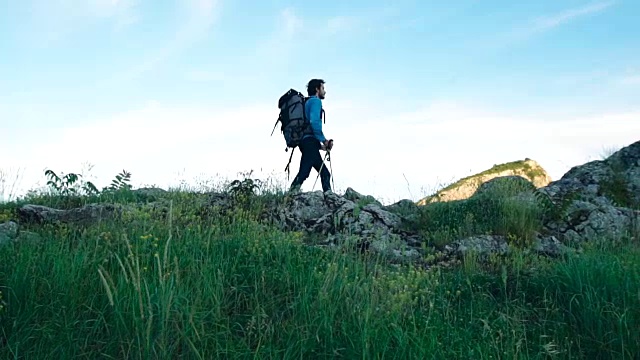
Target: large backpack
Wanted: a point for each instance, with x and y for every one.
(292, 116)
(294, 121)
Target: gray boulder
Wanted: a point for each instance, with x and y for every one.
(339, 219)
(485, 245)
(88, 214)
(8, 232)
(600, 199)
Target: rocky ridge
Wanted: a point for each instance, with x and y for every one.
(594, 200)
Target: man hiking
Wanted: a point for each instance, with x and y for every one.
(311, 144)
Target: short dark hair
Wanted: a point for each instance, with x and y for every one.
(313, 86)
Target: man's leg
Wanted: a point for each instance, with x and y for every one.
(306, 163)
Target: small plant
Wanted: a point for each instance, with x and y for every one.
(119, 189)
(121, 182)
(615, 186)
(554, 210)
(607, 151)
(7, 213)
(70, 184)
(89, 189)
(73, 185)
(245, 188)
(67, 184)
(62, 185)
(7, 190)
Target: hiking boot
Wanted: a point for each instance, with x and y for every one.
(294, 190)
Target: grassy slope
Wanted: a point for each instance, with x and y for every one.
(194, 287)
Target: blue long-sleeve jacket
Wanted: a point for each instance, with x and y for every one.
(313, 111)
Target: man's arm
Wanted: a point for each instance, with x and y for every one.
(315, 107)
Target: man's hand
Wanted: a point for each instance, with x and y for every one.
(327, 145)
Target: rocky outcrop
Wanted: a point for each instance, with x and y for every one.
(332, 219)
(598, 199)
(88, 214)
(485, 245)
(339, 219)
(463, 189)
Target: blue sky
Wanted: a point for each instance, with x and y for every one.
(164, 88)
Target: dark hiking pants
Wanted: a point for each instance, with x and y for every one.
(310, 149)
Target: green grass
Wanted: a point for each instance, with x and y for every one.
(615, 186)
(487, 213)
(198, 286)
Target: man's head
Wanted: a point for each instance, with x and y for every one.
(316, 87)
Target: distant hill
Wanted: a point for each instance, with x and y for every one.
(465, 187)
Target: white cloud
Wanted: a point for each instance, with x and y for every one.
(430, 146)
(292, 29)
(273, 50)
(581, 78)
(383, 18)
(124, 12)
(554, 20)
(53, 20)
(204, 76)
(292, 23)
(200, 16)
(113, 8)
(341, 23)
(444, 142)
(598, 77)
(545, 23)
(156, 141)
(630, 80)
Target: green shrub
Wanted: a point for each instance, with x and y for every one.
(516, 218)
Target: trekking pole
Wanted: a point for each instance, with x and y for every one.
(333, 185)
(320, 171)
(327, 157)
